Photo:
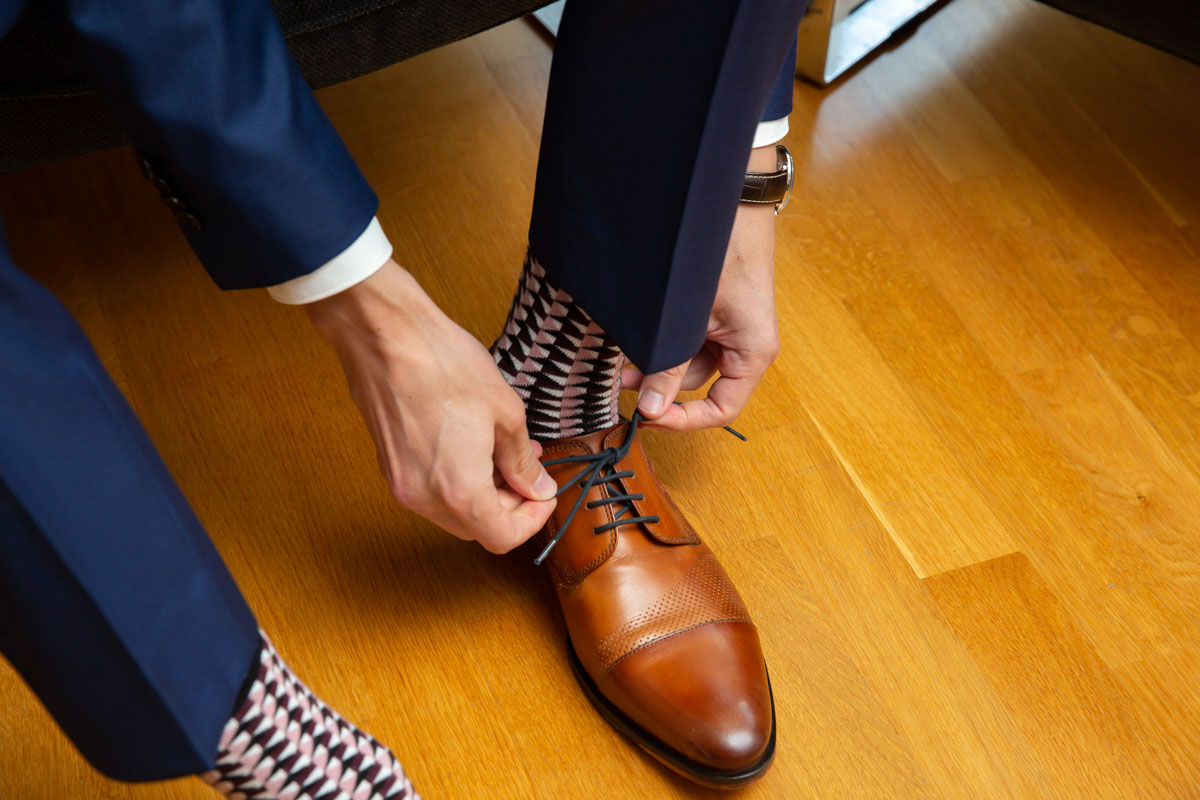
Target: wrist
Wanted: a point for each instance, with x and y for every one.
(762, 159)
(389, 297)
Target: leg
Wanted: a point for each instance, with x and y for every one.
(558, 360)
(650, 116)
(645, 141)
(649, 123)
(114, 605)
(117, 609)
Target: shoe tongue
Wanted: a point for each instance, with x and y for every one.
(599, 440)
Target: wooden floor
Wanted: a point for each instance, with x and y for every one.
(968, 516)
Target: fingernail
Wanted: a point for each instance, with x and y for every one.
(650, 401)
(544, 487)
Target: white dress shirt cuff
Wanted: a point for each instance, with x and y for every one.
(770, 131)
(356, 263)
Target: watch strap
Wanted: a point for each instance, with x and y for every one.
(765, 188)
(770, 188)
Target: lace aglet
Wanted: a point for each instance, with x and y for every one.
(546, 552)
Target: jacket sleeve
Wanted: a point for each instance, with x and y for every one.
(227, 130)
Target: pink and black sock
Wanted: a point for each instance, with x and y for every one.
(560, 362)
(285, 744)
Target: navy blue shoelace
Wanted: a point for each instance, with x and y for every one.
(601, 468)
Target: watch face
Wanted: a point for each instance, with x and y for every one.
(791, 177)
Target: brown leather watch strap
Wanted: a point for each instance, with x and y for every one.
(769, 188)
(765, 188)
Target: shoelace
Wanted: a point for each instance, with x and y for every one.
(600, 468)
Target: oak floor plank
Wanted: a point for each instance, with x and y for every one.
(1069, 703)
(962, 736)
(1118, 321)
(1110, 311)
(1015, 82)
(1133, 472)
(852, 744)
(1090, 176)
(1167, 695)
(1136, 98)
(926, 501)
(1000, 307)
(909, 194)
(1047, 509)
(1167, 265)
(520, 66)
(1132, 112)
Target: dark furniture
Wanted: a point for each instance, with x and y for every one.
(1171, 25)
(48, 110)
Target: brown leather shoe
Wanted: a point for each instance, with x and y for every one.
(660, 640)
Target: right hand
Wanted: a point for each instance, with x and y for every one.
(449, 432)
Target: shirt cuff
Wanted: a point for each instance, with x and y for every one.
(770, 131)
(362, 259)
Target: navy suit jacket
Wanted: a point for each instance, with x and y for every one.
(208, 94)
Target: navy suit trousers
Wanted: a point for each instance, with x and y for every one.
(114, 605)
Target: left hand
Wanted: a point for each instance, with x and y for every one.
(743, 332)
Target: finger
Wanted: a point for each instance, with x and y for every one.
(659, 390)
(727, 397)
(701, 368)
(517, 460)
(509, 499)
(498, 477)
(500, 529)
(484, 515)
(496, 517)
(530, 517)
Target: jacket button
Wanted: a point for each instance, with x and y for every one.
(144, 165)
(187, 221)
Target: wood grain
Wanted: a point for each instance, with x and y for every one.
(1072, 709)
(967, 519)
(1033, 490)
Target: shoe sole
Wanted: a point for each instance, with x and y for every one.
(688, 768)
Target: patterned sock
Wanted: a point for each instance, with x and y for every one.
(285, 744)
(562, 364)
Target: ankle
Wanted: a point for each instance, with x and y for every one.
(561, 363)
(283, 742)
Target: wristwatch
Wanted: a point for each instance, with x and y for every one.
(771, 188)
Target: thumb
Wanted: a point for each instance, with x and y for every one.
(659, 390)
(517, 460)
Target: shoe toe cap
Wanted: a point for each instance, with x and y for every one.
(733, 746)
(702, 692)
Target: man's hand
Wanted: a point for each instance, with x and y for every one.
(743, 333)
(449, 432)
